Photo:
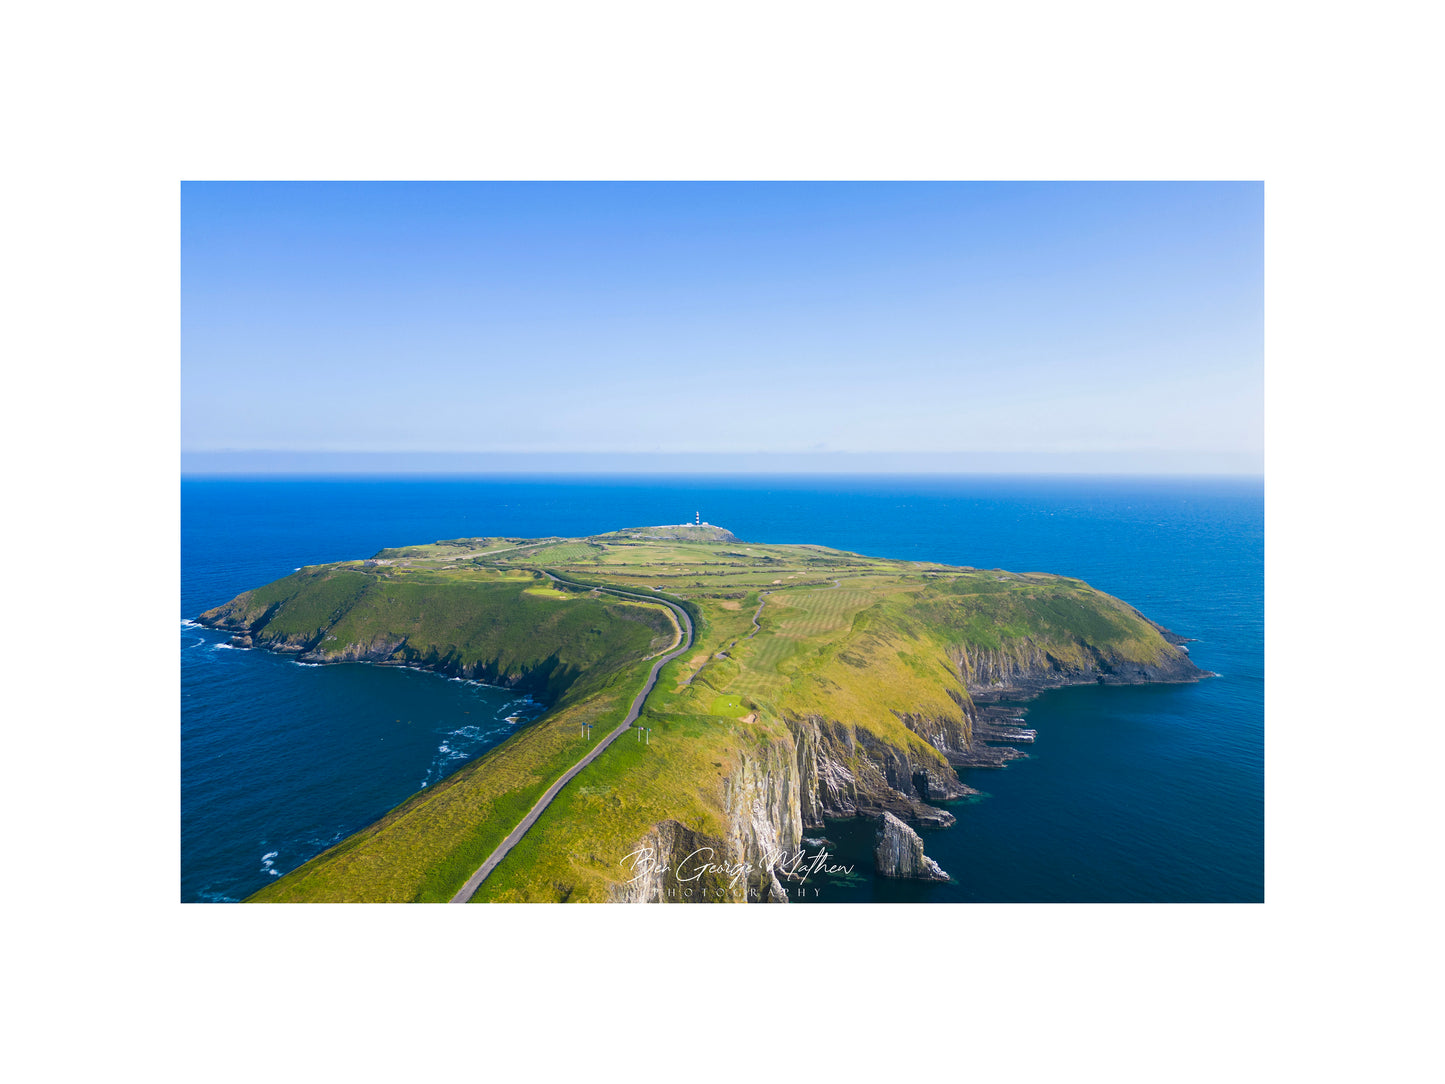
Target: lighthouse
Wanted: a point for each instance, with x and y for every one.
(697, 519)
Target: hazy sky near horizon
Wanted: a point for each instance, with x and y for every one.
(1115, 320)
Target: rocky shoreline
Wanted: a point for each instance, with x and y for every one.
(896, 793)
(536, 682)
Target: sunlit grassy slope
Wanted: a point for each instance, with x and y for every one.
(838, 636)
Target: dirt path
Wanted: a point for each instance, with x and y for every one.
(762, 601)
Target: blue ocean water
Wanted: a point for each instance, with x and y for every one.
(1151, 793)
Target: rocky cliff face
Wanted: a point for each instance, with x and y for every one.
(1027, 668)
(827, 768)
(843, 771)
(898, 852)
(817, 768)
(764, 830)
(763, 804)
(671, 865)
(947, 735)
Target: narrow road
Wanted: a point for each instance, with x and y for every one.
(484, 870)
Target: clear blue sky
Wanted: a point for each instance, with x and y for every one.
(1117, 326)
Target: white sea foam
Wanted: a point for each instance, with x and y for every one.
(459, 744)
(267, 864)
(469, 681)
(187, 623)
(228, 647)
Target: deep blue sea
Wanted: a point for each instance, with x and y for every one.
(1150, 793)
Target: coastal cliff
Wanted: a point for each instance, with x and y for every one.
(1028, 668)
(845, 771)
(764, 829)
(840, 770)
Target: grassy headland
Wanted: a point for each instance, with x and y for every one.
(854, 692)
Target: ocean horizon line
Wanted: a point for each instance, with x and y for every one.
(435, 475)
(433, 464)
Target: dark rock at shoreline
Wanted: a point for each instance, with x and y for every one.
(898, 852)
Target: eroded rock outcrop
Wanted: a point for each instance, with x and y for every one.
(845, 771)
(898, 852)
(1026, 668)
(671, 864)
(762, 800)
(777, 788)
(675, 864)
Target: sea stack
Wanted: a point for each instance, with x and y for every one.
(899, 852)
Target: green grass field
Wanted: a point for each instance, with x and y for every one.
(730, 706)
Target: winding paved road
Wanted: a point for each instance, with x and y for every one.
(685, 623)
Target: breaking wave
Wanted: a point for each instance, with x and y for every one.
(207, 896)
